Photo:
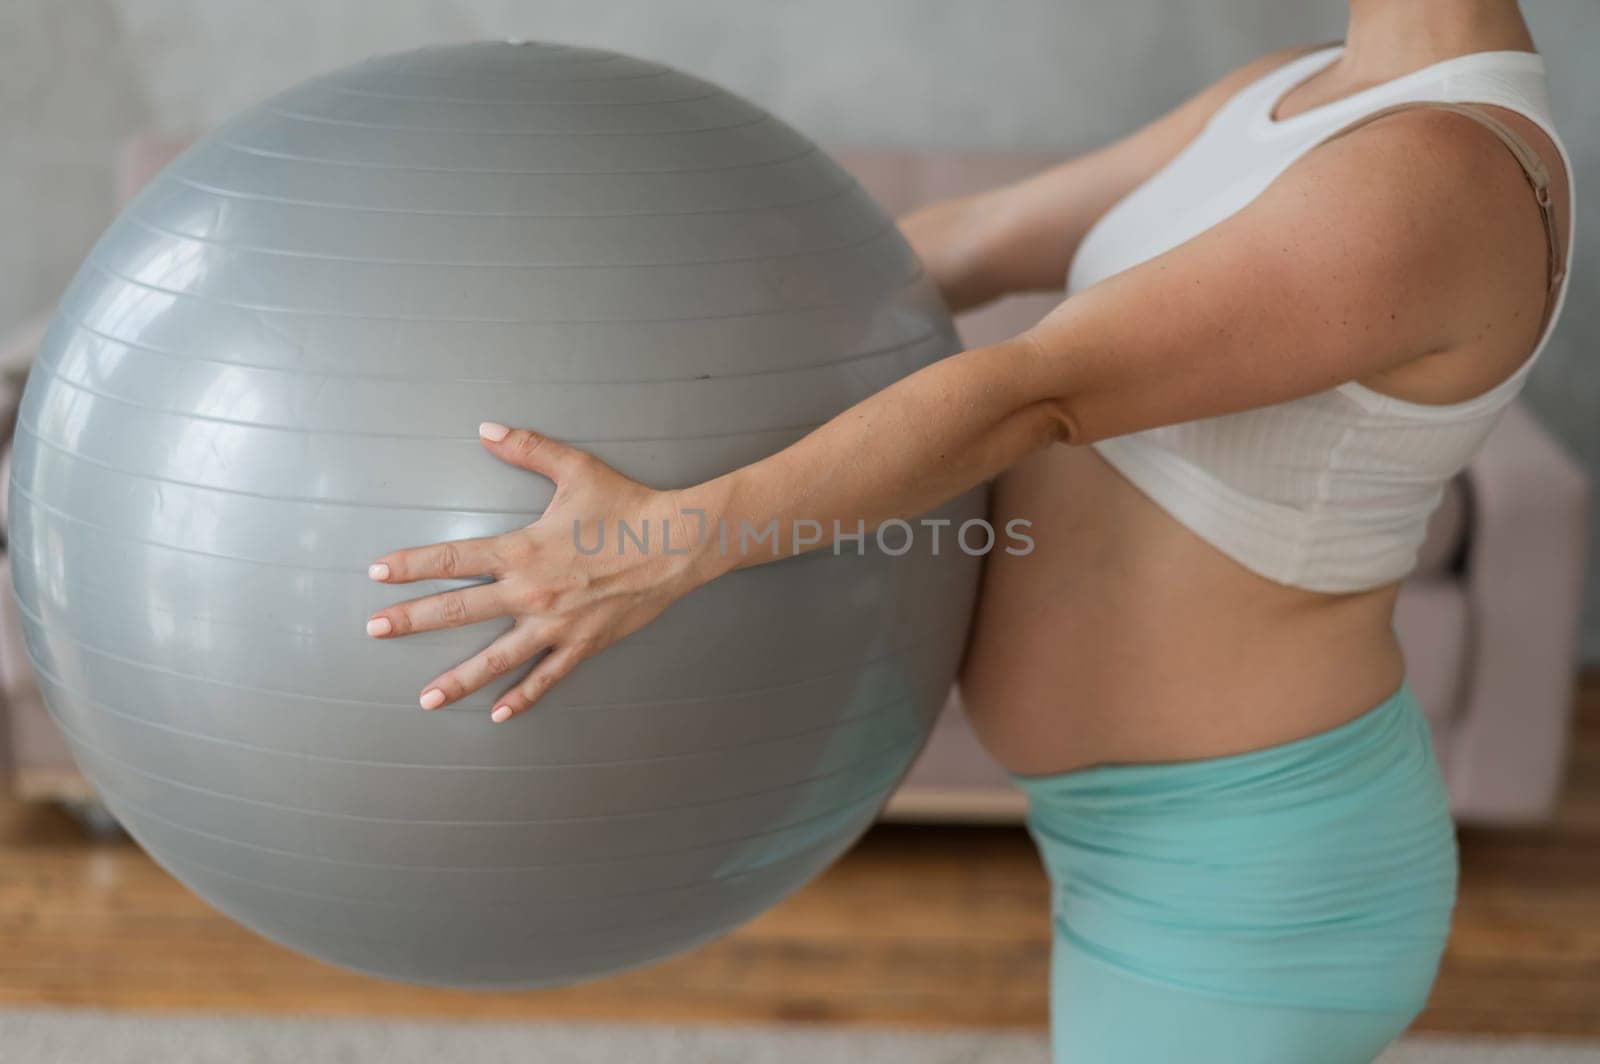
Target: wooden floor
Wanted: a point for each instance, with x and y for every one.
(920, 926)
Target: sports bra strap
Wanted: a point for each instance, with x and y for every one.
(1533, 168)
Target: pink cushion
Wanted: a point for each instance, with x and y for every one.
(142, 157)
(942, 175)
(1005, 318)
(887, 175)
(1433, 621)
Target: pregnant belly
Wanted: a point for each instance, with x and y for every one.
(1123, 637)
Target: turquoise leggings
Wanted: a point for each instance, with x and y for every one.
(1283, 905)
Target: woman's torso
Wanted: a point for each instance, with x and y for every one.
(1125, 636)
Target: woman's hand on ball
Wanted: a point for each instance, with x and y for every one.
(566, 603)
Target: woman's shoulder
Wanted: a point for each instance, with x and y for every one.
(1434, 201)
(1466, 170)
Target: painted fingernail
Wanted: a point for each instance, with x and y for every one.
(493, 431)
(379, 626)
(432, 698)
(378, 571)
(501, 714)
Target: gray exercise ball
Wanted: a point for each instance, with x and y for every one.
(270, 371)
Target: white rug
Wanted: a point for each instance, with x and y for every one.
(73, 1037)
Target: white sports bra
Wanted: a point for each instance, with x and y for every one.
(1332, 491)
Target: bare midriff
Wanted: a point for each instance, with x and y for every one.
(1124, 637)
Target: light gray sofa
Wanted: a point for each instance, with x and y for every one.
(1488, 622)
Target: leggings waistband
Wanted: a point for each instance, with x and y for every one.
(1263, 771)
(1316, 873)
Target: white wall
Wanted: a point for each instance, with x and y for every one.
(76, 75)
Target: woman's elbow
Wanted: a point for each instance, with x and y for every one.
(1061, 424)
(1054, 415)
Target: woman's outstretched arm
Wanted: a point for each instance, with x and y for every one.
(1408, 241)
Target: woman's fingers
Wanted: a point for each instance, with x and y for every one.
(502, 557)
(458, 559)
(549, 458)
(545, 675)
(498, 659)
(451, 609)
